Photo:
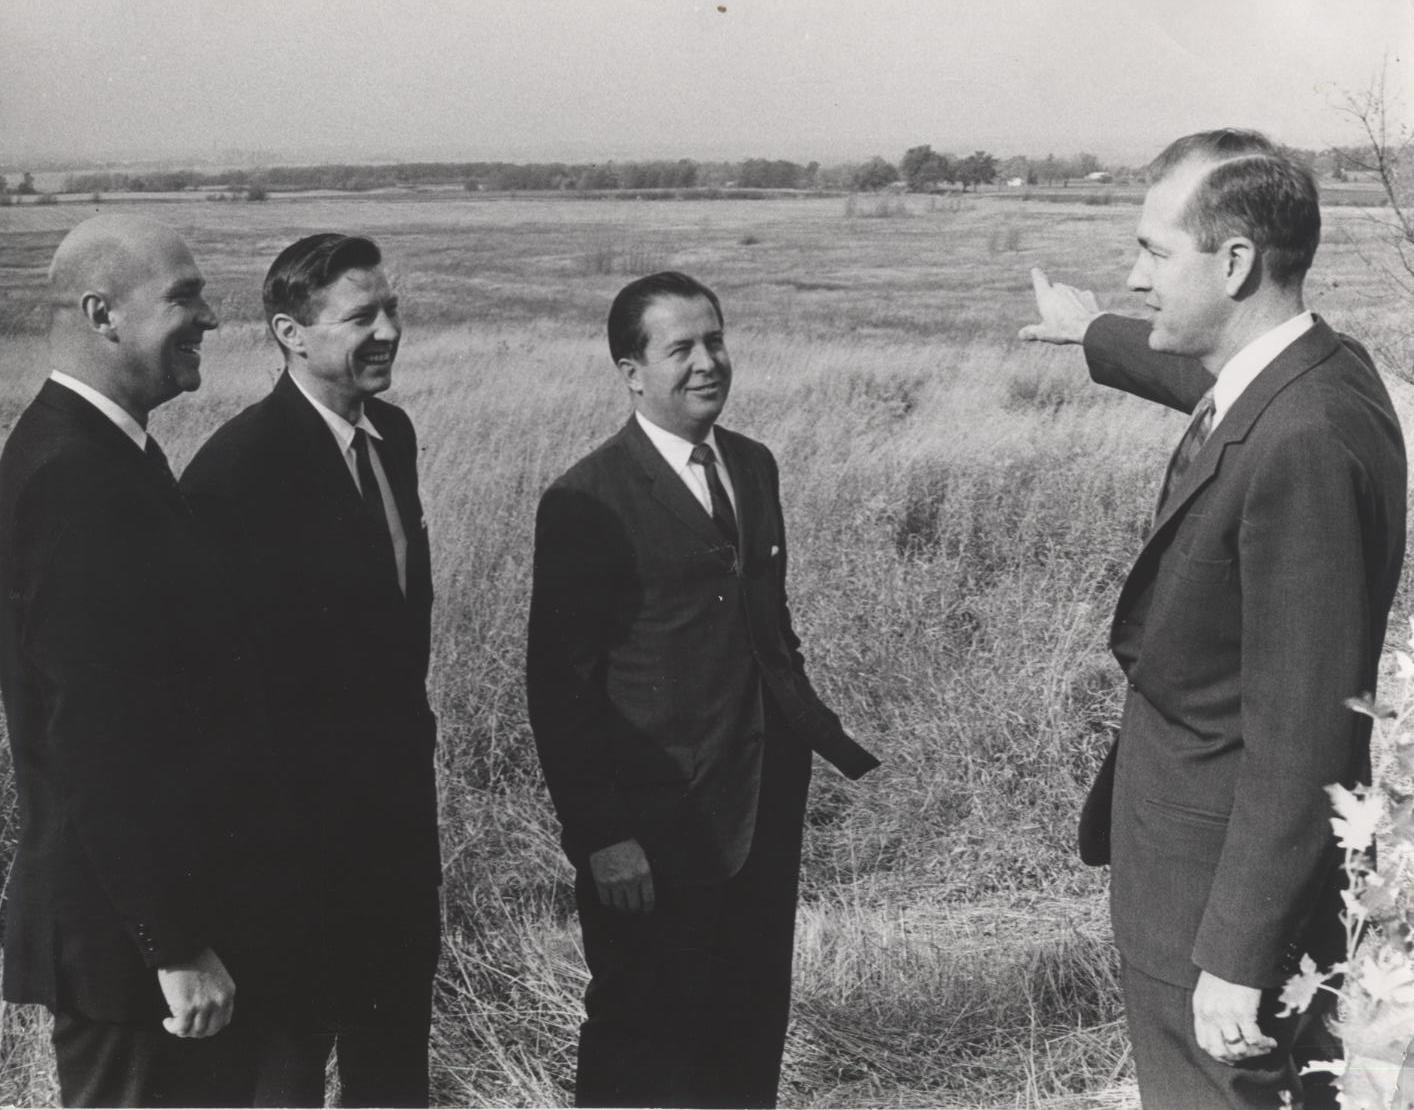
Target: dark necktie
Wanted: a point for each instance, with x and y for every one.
(158, 458)
(722, 514)
(1194, 436)
(368, 486)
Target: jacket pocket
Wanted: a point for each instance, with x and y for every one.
(1190, 815)
(1202, 571)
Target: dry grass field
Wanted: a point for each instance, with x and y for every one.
(961, 509)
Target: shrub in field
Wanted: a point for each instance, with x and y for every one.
(1376, 981)
(1005, 238)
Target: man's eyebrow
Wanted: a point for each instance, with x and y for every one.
(372, 304)
(186, 285)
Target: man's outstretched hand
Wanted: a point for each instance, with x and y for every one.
(1065, 311)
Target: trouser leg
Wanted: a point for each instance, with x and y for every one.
(757, 938)
(384, 1065)
(119, 1064)
(291, 1066)
(688, 1005)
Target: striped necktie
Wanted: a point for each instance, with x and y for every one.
(1200, 426)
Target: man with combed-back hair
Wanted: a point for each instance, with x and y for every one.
(1257, 605)
(311, 495)
(144, 878)
(675, 722)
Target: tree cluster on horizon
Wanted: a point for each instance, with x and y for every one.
(920, 169)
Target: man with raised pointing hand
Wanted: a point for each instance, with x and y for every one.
(143, 802)
(1257, 605)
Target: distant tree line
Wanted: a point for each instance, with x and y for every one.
(920, 169)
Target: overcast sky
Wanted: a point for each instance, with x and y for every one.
(588, 79)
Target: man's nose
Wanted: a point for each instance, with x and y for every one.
(387, 327)
(206, 317)
(1138, 280)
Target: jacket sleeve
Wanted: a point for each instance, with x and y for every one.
(1306, 642)
(1118, 354)
(99, 634)
(825, 733)
(579, 551)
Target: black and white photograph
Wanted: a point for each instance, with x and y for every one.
(659, 553)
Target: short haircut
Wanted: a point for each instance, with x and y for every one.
(305, 268)
(1254, 189)
(626, 336)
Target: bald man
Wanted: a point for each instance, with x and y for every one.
(136, 743)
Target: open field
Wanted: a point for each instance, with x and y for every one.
(961, 509)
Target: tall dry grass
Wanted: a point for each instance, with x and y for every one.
(960, 508)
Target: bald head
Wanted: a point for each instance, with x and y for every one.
(127, 313)
(109, 254)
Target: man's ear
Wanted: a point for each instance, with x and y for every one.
(1240, 265)
(95, 309)
(288, 332)
(629, 369)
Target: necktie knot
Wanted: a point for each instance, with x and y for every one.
(703, 455)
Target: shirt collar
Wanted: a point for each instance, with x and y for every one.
(342, 429)
(1242, 369)
(673, 447)
(106, 405)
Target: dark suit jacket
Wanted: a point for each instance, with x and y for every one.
(342, 653)
(651, 649)
(1256, 607)
(145, 800)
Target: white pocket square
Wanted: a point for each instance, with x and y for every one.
(775, 551)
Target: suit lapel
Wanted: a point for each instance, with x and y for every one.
(668, 488)
(1307, 352)
(1312, 348)
(327, 472)
(95, 425)
(744, 487)
(325, 466)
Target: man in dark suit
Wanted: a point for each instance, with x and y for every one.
(1257, 605)
(675, 723)
(131, 912)
(312, 496)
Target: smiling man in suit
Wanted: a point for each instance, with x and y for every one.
(675, 723)
(311, 494)
(135, 899)
(1257, 605)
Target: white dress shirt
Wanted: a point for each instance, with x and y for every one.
(106, 405)
(343, 433)
(676, 451)
(1242, 369)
